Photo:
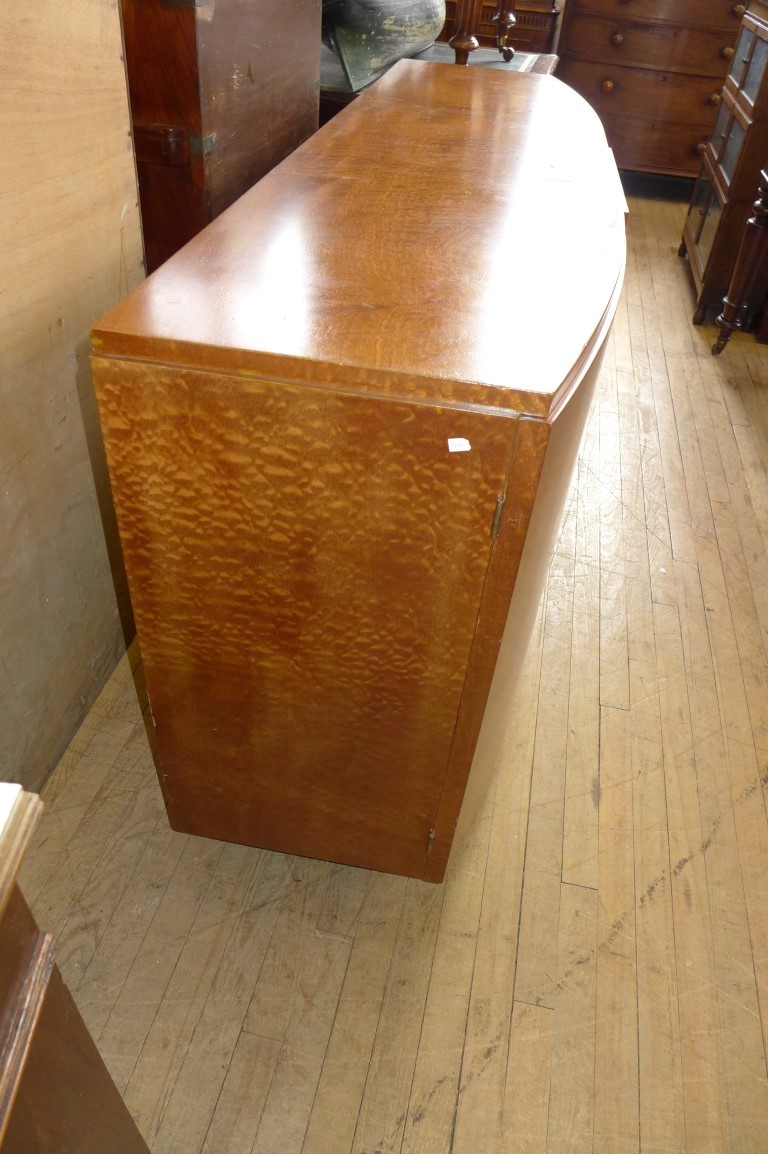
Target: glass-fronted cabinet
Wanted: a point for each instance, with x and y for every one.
(735, 153)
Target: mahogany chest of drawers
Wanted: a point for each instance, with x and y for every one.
(653, 70)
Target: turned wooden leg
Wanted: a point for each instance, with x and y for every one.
(698, 316)
(464, 41)
(747, 289)
(505, 20)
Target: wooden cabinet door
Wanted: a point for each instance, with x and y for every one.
(307, 569)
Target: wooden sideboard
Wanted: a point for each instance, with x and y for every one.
(340, 427)
(56, 1094)
(220, 93)
(653, 70)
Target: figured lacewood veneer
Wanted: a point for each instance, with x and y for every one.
(326, 420)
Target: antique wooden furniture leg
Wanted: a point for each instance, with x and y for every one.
(748, 283)
(464, 41)
(505, 22)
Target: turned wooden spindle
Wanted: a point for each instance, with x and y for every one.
(464, 41)
(505, 20)
(747, 289)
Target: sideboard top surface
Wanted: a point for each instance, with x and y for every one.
(455, 235)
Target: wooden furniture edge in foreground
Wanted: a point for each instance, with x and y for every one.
(325, 461)
(56, 1094)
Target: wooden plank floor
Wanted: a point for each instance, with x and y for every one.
(593, 975)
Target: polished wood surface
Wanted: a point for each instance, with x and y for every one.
(319, 575)
(653, 69)
(219, 95)
(336, 95)
(55, 1092)
(592, 974)
(304, 277)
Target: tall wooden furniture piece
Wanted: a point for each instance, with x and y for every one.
(653, 70)
(734, 155)
(220, 93)
(749, 284)
(533, 30)
(56, 1094)
(332, 427)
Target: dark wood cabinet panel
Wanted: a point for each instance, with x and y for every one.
(220, 93)
(733, 159)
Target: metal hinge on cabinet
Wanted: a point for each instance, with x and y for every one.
(430, 841)
(496, 523)
(202, 145)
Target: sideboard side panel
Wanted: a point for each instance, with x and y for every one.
(306, 568)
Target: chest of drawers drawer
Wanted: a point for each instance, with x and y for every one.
(654, 72)
(724, 14)
(694, 50)
(655, 145)
(616, 90)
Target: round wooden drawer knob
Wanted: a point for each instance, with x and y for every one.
(617, 40)
(714, 98)
(739, 10)
(726, 53)
(606, 86)
(701, 147)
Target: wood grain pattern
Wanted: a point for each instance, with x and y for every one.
(326, 606)
(339, 267)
